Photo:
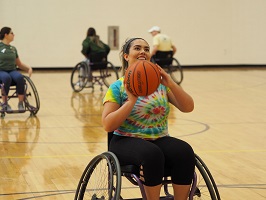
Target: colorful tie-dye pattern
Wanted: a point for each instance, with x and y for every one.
(148, 119)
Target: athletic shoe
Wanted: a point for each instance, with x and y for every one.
(80, 83)
(6, 107)
(21, 106)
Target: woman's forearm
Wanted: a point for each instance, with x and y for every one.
(114, 119)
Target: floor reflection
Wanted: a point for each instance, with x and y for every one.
(18, 139)
(23, 134)
(88, 109)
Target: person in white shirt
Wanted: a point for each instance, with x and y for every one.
(161, 42)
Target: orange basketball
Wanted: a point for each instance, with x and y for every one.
(142, 78)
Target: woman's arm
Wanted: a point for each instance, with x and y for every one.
(177, 96)
(180, 99)
(24, 67)
(114, 115)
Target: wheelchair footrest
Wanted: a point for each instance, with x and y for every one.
(161, 198)
(12, 111)
(134, 199)
(167, 198)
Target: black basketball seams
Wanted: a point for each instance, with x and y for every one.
(146, 76)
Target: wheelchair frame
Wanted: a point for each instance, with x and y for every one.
(170, 64)
(101, 179)
(31, 98)
(107, 73)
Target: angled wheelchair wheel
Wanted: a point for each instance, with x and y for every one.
(79, 76)
(205, 188)
(32, 100)
(176, 72)
(110, 74)
(101, 179)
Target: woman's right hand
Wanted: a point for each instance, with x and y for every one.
(30, 71)
(131, 97)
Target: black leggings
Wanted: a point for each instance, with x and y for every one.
(154, 156)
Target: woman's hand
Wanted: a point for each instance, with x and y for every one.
(166, 78)
(131, 97)
(23, 66)
(30, 71)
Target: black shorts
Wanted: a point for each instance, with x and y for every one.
(154, 156)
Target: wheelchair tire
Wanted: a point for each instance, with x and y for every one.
(32, 100)
(205, 187)
(110, 74)
(176, 71)
(101, 179)
(79, 76)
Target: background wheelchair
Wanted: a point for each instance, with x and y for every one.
(103, 73)
(31, 98)
(166, 60)
(101, 179)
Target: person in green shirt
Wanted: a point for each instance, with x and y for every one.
(92, 45)
(9, 61)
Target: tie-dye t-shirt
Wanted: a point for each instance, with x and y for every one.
(148, 118)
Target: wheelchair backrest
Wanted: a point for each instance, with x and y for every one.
(163, 58)
(98, 60)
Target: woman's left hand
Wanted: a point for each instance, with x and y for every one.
(166, 78)
(30, 71)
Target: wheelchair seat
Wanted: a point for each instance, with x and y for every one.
(163, 58)
(98, 60)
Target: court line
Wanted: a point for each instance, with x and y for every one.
(93, 155)
(60, 192)
(233, 151)
(49, 156)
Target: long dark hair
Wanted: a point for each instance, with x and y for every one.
(95, 38)
(91, 32)
(4, 30)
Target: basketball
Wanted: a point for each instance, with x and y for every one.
(142, 78)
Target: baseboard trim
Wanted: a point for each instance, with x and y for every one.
(248, 66)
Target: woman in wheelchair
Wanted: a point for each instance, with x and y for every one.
(9, 60)
(140, 126)
(92, 45)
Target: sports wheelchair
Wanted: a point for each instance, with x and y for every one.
(101, 179)
(166, 60)
(31, 98)
(102, 72)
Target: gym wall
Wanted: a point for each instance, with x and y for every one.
(49, 33)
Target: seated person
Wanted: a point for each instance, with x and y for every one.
(140, 127)
(9, 60)
(162, 45)
(92, 45)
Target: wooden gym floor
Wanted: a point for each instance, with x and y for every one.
(43, 157)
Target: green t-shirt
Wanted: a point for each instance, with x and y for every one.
(90, 47)
(8, 55)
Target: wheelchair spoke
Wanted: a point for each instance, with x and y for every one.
(32, 101)
(97, 181)
(79, 77)
(205, 188)
(110, 75)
